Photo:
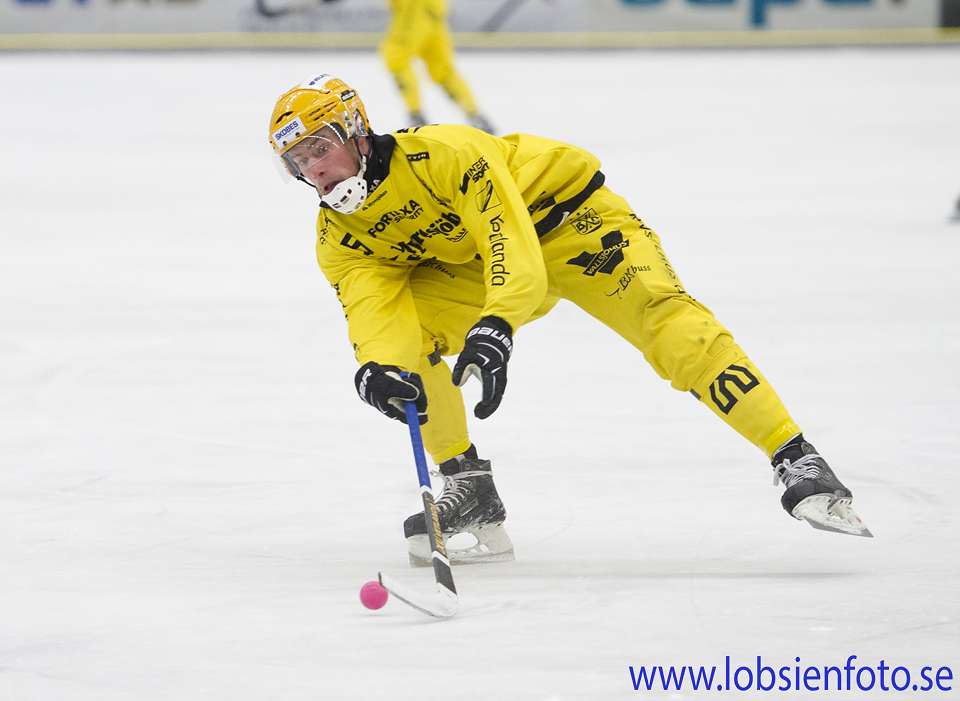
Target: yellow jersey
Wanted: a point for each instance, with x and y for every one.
(452, 194)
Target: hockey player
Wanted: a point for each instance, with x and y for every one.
(418, 28)
(444, 240)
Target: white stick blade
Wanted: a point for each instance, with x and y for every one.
(441, 604)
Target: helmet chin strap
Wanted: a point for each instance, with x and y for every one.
(349, 195)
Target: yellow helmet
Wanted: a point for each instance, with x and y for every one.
(320, 100)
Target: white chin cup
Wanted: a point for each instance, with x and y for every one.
(350, 194)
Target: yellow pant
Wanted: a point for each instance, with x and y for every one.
(610, 264)
(419, 28)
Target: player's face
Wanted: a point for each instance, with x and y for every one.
(324, 159)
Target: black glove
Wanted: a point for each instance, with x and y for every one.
(381, 387)
(485, 354)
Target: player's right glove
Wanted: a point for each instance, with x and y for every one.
(381, 387)
(485, 353)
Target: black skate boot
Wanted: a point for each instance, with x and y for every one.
(813, 492)
(470, 504)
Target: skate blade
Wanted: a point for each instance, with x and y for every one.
(492, 545)
(825, 513)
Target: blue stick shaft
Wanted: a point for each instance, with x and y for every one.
(413, 422)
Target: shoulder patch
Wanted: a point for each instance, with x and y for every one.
(421, 156)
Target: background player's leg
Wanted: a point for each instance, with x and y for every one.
(438, 54)
(440, 63)
(397, 59)
(409, 29)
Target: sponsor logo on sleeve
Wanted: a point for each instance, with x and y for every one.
(474, 173)
(488, 198)
(498, 253)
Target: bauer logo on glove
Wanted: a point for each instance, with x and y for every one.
(485, 353)
(381, 387)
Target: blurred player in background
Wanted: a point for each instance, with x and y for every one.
(418, 28)
(444, 240)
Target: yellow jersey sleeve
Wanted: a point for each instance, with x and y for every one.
(376, 298)
(480, 187)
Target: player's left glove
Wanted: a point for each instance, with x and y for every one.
(381, 387)
(485, 354)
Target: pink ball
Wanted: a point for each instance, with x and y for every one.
(373, 596)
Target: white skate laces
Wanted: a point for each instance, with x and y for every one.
(454, 489)
(790, 473)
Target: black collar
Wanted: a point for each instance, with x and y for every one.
(378, 162)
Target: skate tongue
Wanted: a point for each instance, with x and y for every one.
(825, 513)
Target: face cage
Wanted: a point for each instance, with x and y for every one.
(313, 147)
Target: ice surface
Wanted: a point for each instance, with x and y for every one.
(191, 495)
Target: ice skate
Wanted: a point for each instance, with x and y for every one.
(469, 504)
(813, 492)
